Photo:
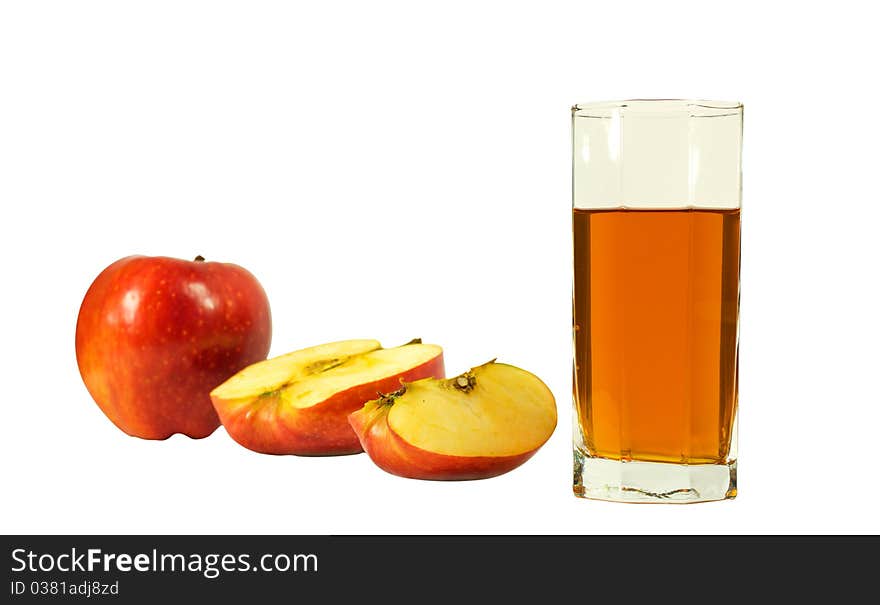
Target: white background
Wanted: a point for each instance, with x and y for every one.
(392, 170)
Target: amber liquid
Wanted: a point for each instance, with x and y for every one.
(656, 300)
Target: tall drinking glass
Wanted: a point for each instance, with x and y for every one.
(656, 224)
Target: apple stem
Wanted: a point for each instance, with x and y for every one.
(390, 398)
(466, 382)
(199, 259)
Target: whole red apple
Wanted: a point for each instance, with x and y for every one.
(156, 334)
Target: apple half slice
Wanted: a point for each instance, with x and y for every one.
(299, 403)
(483, 423)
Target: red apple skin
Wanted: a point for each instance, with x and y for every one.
(155, 334)
(272, 427)
(394, 455)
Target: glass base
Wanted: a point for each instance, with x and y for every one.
(658, 482)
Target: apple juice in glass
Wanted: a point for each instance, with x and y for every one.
(656, 229)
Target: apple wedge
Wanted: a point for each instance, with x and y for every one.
(483, 423)
(299, 403)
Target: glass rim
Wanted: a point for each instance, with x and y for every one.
(657, 107)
